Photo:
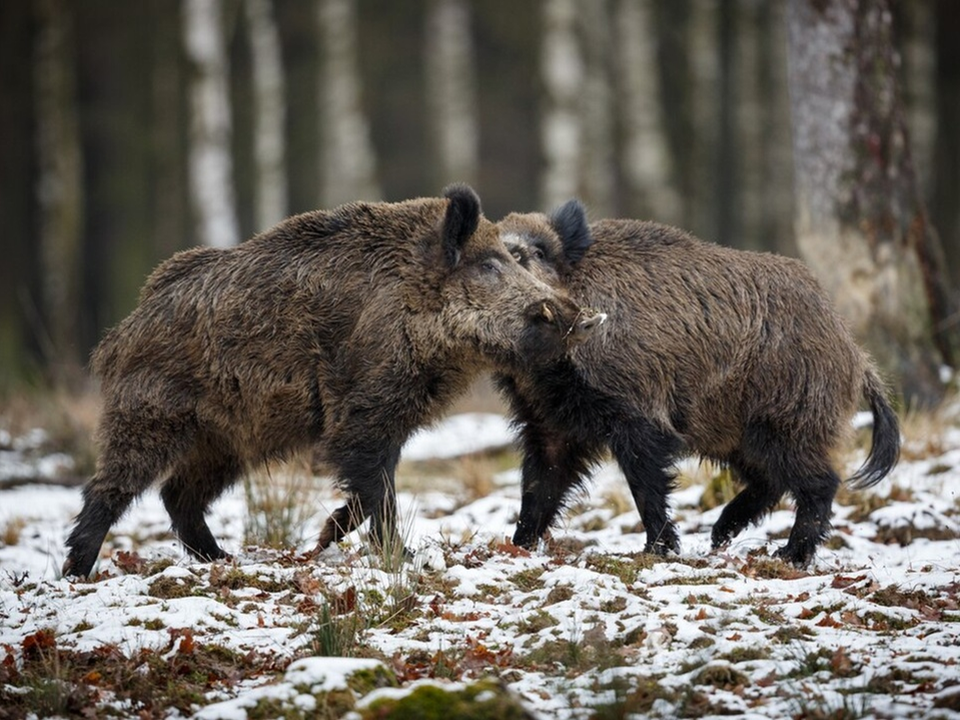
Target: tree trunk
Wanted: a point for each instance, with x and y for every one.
(20, 283)
(945, 191)
(59, 189)
(645, 158)
(563, 77)
(349, 164)
(774, 159)
(598, 165)
(727, 171)
(676, 85)
(860, 221)
(451, 95)
(211, 165)
(270, 111)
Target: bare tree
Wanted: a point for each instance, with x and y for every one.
(451, 92)
(270, 112)
(860, 222)
(211, 165)
(646, 159)
(349, 161)
(563, 75)
(597, 123)
(59, 188)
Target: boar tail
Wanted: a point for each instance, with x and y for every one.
(885, 450)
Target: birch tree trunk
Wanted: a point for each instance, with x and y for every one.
(349, 162)
(563, 76)
(646, 160)
(59, 188)
(598, 165)
(270, 115)
(211, 165)
(451, 90)
(860, 222)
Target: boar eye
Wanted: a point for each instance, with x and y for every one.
(490, 265)
(538, 254)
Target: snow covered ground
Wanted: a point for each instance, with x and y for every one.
(587, 626)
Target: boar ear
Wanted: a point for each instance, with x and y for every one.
(460, 222)
(570, 223)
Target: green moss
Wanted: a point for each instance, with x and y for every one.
(745, 654)
(558, 593)
(169, 588)
(626, 568)
(484, 700)
(633, 696)
(366, 681)
(329, 706)
(788, 633)
(528, 580)
(722, 676)
(540, 620)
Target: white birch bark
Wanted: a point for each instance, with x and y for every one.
(348, 159)
(270, 114)
(860, 222)
(646, 161)
(59, 188)
(211, 163)
(598, 166)
(561, 64)
(451, 93)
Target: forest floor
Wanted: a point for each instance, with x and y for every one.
(586, 626)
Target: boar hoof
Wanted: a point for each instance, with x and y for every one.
(795, 556)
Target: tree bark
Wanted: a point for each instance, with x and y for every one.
(727, 171)
(211, 164)
(20, 284)
(349, 161)
(270, 110)
(561, 64)
(598, 164)
(861, 224)
(451, 91)
(59, 190)
(645, 158)
(945, 192)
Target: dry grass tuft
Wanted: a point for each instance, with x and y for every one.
(281, 500)
(10, 535)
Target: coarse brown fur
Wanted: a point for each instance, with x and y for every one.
(735, 356)
(352, 327)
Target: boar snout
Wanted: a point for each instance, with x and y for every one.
(586, 323)
(561, 324)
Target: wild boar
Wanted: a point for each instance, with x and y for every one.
(349, 328)
(734, 356)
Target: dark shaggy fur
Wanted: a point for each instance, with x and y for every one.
(350, 328)
(734, 356)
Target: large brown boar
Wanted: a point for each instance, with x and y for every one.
(734, 356)
(350, 328)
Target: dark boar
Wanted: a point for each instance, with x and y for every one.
(349, 328)
(734, 356)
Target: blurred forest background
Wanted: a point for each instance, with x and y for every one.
(131, 130)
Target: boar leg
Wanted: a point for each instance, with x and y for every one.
(189, 492)
(552, 466)
(644, 454)
(137, 449)
(342, 521)
(366, 473)
(813, 494)
(758, 497)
